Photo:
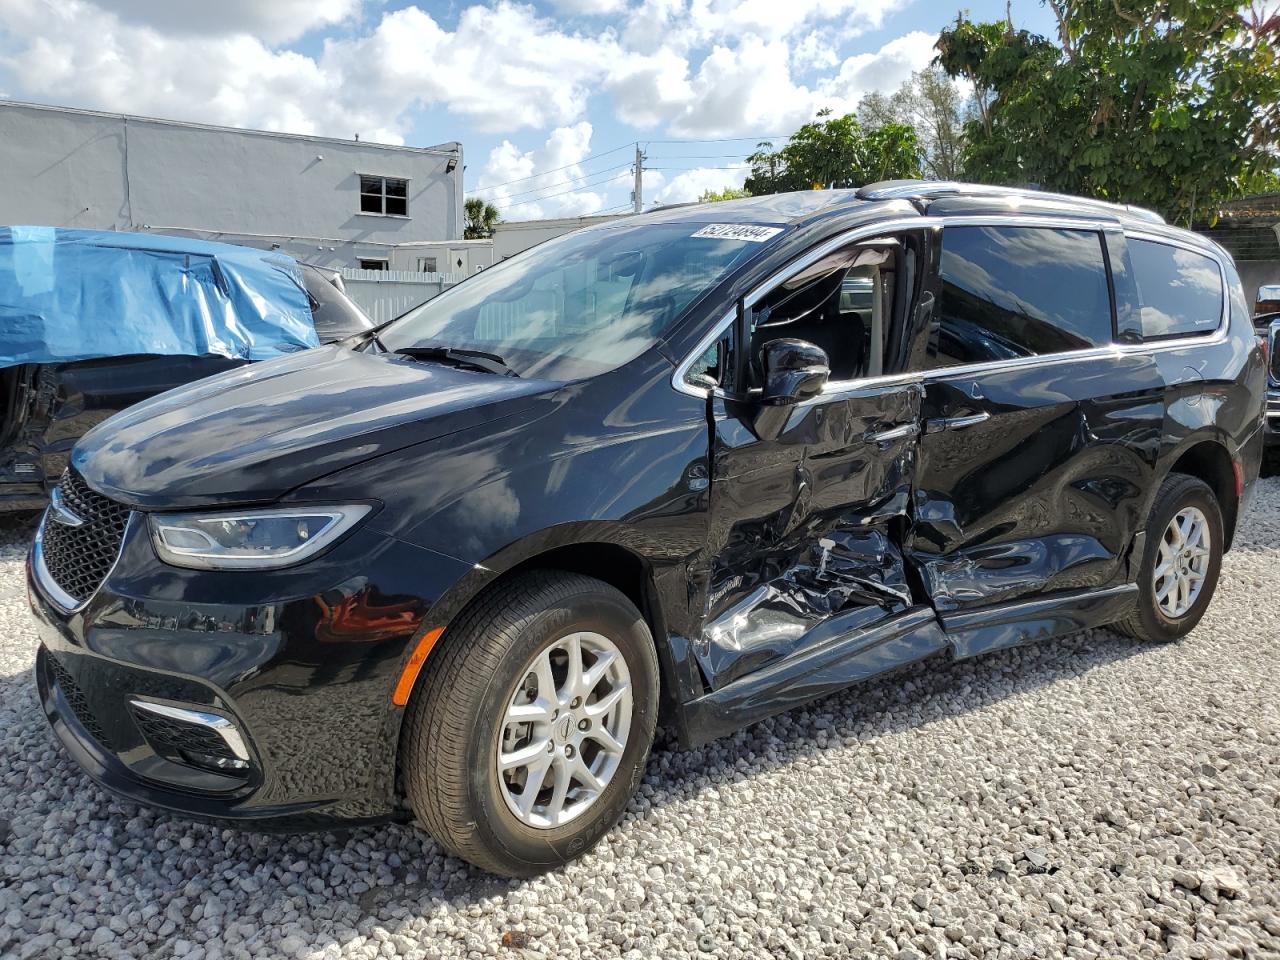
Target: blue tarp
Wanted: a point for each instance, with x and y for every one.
(81, 294)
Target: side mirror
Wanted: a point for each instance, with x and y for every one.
(794, 370)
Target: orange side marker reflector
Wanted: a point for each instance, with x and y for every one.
(409, 675)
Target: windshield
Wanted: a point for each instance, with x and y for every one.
(580, 304)
(335, 316)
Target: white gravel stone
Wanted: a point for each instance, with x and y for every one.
(1088, 797)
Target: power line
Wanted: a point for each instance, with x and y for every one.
(562, 183)
(722, 140)
(548, 196)
(701, 156)
(589, 157)
(739, 166)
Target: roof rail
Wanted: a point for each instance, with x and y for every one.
(933, 189)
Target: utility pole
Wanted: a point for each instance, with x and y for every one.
(637, 194)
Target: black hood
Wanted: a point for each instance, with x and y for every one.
(252, 435)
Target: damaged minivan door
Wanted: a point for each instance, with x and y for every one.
(810, 498)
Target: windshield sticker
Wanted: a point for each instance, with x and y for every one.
(737, 231)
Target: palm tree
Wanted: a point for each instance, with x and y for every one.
(482, 217)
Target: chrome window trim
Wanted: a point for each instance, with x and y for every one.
(841, 388)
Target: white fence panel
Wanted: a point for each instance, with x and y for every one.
(385, 294)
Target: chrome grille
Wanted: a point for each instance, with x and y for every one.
(78, 558)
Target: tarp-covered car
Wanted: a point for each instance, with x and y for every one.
(94, 321)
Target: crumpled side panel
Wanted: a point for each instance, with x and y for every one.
(854, 572)
(82, 294)
(999, 572)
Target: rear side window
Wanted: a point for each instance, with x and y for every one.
(1018, 292)
(1179, 290)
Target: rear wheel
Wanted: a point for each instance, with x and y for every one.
(1181, 561)
(530, 733)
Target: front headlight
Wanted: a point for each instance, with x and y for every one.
(250, 539)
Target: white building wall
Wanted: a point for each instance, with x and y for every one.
(73, 168)
(511, 238)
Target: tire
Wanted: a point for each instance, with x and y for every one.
(489, 657)
(1150, 619)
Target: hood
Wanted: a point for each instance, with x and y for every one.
(255, 433)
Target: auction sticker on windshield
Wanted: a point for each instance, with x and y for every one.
(737, 231)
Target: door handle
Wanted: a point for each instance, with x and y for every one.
(956, 423)
(894, 433)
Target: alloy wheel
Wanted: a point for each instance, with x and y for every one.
(565, 730)
(1182, 562)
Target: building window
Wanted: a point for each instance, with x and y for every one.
(374, 265)
(384, 195)
(427, 265)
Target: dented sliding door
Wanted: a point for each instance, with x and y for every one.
(805, 527)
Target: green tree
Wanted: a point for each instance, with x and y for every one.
(932, 105)
(481, 218)
(728, 193)
(834, 152)
(1171, 104)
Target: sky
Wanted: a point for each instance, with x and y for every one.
(548, 98)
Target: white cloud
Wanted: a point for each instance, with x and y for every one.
(650, 89)
(698, 68)
(815, 51)
(780, 18)
(273, 21)
(885, 70)
(551, 181)
(504, 67)
(73, 53)
(590, 8)
(692, 184)
(746, 89)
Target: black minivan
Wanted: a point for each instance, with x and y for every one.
(696, 466)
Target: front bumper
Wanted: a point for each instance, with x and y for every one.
(296, 666)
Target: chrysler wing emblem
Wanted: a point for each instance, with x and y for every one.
(60, 512)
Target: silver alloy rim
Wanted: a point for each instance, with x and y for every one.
(564, 730)
(1182, 563)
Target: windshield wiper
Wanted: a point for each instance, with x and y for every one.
(476, 359)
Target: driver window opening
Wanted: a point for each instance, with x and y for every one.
(842, 304)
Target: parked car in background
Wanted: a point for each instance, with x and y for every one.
(1266, 320)
(92, 322)
(707, 463)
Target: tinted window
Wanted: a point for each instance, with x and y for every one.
(1019, 291)
(1180, 291)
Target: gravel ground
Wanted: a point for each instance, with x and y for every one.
(1091, 797)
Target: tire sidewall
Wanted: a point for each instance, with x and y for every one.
(1189, 493)
(500, 829)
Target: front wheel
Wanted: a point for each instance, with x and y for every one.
(1181, 561)
(530, 732)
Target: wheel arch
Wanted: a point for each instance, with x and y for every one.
(602, 558)
(1208, 459)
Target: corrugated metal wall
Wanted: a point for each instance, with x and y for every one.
(385, 294)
